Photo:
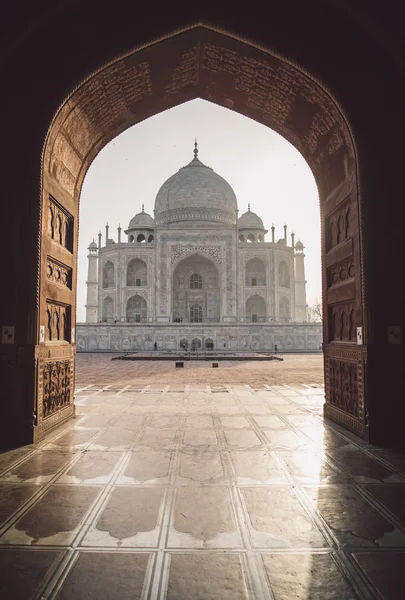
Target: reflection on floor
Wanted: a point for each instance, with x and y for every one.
(202, 492)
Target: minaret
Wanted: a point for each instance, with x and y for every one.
(92, 284)
(119, 233)
(285, 234)
(300, 284)
(273, 229)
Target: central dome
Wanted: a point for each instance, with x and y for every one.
(195, 193)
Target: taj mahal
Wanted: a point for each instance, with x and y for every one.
(195, 275)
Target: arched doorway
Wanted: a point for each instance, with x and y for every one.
(255, 273)
(256, 309)
(137, 273)
(310, 119)
(137, 309)
(196, 295)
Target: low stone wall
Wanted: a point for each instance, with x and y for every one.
(126, 337)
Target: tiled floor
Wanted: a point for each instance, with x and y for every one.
(202, 492)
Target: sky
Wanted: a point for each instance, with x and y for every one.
(260, 165)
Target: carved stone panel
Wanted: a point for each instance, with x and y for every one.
(57, 272)
(181, 251)
(342, 322)
(57, 327)
(340, 273)
(57, 387)
(60, 224)
(338, 226)
(343, 386)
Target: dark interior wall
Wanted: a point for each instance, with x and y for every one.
(44, 56)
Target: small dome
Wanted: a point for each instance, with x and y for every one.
(250, 220)
(92, 245)
(195, 193)
(299, 245)
(141, 221)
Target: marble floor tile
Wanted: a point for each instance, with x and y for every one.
(201, 492)
(206, 576)
(256, 467)
(23, 574)
(148, 466)
(242, 438)
(201, 421)
(13, 496)
(306, 576)
(200, 437)
(92, 467)
(203, 517)
(286, 525)
(55, 518)
(385, 570)
(131, 518)
(204, 467)
(39, 468)
(311, 467)
(362, 467)
(352, 519)
(104, 576)
(115, 439)
(391, 497)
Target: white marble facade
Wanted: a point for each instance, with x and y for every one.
(196, 272)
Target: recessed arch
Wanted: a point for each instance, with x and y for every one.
(276, 93)
(137, 273)
(255, 272)
(196, 280)
(137, 309)
(284, 310)
(108, 274)
(108, 309)
(283, 274)
(256, 311)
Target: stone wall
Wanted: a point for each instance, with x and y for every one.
(119, 337)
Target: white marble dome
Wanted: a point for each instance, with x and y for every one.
(141, 221)
(250, 220)
(195, 193)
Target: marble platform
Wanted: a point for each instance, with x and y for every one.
(201, 492)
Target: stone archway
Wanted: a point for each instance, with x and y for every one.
(196, 290)
(201, 62)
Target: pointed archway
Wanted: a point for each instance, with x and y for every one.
(218, 67)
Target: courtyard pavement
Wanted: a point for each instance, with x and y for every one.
(201, 491)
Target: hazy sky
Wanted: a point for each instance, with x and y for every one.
(261, 166)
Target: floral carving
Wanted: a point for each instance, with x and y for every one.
(56, 386)
(340, 273)
(58, 273)
(343, 388)
(180, 251)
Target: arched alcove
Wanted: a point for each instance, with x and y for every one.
(108, 309)
(284, 309)
(256, 309)
(108, 274)
(196, 282)
(255, 272)
(137, 273)
(137, 309)
(283, 274)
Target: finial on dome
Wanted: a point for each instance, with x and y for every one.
(143, 208)
(248, 206)
(195, 148)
